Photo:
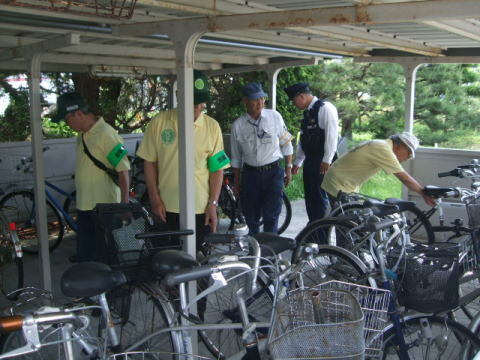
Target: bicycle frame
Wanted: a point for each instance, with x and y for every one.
(71, 222)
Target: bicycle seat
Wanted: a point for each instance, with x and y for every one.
(379, 208)
(167, 261)
(90, 279)
(402, 204)
(273, 242)
(435, 191)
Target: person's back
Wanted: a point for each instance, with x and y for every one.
(358, 165)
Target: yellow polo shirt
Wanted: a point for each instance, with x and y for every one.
(350, 171)
(160, 145)
(92, 184)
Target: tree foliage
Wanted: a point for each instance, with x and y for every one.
(369, 99)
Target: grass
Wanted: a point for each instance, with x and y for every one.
(380, 186)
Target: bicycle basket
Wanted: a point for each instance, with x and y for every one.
(116, 226)
(317, 323)
(473, 211)
(429, 281)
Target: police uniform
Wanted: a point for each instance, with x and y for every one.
(318, 143)
(258, 145)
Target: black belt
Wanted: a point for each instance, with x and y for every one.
(261, 168)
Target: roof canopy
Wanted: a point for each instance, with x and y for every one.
(236, 35)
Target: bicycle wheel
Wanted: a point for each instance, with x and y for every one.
(19, 207)
(432, 337)
(419, 226)
(138, 312)
(70, 207)
(332, 263)
(220, 308)
(226, 210)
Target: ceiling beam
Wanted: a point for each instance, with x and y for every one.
(429, 10)
(275, 65)
(419, 59)
(466, 29)
(40, 47)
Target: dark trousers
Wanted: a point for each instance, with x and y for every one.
(261, 196)
(201, 230)
(316, 199)
(86, 237)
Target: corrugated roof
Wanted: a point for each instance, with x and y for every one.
(236, 33)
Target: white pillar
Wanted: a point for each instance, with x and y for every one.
(272, 79)
(410, 70)
(34, 78)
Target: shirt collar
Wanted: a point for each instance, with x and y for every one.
(312, 102)
(96, 126)
(250, 119)
(200, 121)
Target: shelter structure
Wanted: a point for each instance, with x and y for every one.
(219, 36)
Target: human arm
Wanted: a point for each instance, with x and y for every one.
(328, 120)
(215, 181)
(299, 158)
(124, 183)
(288, 169)
(151, 180)
(413, 185)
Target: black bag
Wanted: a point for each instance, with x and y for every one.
(110, 172)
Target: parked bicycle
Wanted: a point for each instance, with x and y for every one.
(230, 212)
(11, 259)
(18, 206)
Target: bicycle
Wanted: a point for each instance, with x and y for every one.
(11, 259)
(419, 226)
(18, 206)
(230, 214)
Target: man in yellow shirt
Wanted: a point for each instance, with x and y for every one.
(159, 149)
(358, 165)
(93, 185)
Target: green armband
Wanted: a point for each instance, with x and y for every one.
(218, 161)
(117, 153)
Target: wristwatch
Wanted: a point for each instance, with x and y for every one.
(213, 202)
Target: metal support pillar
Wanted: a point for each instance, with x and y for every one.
(184, 45)
(410, 70)
(272, 80)
(34, 78)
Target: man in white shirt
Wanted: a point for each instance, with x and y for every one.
(317, 146)
(259, 140)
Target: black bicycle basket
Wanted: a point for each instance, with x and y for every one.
(116, 227)
(428, 277)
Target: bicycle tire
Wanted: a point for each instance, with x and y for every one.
(220, 308)
(138, 313)
(419, 226)
(332, 263)
(449, 339)
(226, 210)
(18, 207)
(70, 207)
(321, 232)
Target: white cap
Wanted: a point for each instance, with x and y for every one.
(410, 140)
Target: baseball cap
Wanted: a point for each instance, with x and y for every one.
(253, 91)
(299, 88)
(68, 102)
(201, 88)
(410, 140)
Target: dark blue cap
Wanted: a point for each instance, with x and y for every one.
(253, 91)
(300, 88)
(67, 103)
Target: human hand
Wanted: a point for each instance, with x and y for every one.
(211, 216)
(295, 169)
(429, 200)
(158, 208)
(324, 167)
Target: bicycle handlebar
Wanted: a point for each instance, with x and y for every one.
(150, 235)
(11, 323)
(375, 225)
(186, 275)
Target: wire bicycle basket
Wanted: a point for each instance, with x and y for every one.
(318, 322)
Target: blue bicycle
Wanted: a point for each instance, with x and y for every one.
(19, 206)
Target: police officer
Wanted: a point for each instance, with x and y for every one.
(259, 140)
(317, 146)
